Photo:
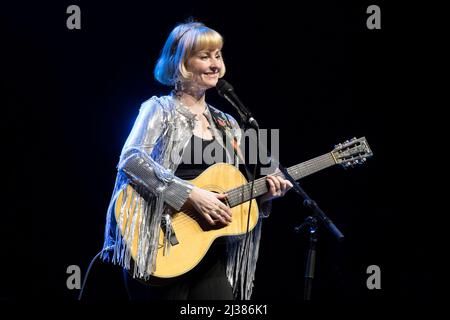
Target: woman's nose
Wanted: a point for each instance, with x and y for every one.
(215, 64)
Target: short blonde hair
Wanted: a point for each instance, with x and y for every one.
(184, 41)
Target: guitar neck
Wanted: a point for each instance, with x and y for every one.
(242, 193)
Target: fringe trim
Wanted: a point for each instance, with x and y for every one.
(241, 274)
(116, 248)
(168, 234)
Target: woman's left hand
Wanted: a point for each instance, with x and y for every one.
(278, 186)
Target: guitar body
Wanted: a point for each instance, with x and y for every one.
(194, 235)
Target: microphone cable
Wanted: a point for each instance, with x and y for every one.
(89, 268)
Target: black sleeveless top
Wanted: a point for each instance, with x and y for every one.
(198, 155)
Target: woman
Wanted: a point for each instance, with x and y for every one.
(152, 161)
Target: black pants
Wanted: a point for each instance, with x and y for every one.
(207, 281)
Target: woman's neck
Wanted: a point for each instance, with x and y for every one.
(193, 99)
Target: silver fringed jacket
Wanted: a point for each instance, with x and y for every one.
(148, 161)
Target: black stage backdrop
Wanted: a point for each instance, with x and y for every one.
(313, 70)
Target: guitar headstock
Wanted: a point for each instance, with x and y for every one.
(352, 152)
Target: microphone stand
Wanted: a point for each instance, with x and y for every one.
(226, 91)
(311, 224)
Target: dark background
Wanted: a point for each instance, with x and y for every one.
(312, 70)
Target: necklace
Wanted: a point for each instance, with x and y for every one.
(202, 125)
(197, 115)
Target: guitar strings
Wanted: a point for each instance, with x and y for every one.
(235, 195)
(242, 192)
(308, 167)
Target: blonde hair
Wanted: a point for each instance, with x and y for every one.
(184, 41)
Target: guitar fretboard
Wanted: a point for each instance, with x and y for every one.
(242, 193)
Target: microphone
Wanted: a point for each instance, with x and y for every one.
(226, 91)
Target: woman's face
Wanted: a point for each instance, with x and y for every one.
(205, 66)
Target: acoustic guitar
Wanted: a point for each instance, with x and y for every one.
(194, 236)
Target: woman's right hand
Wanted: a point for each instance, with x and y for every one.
(209, 205)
